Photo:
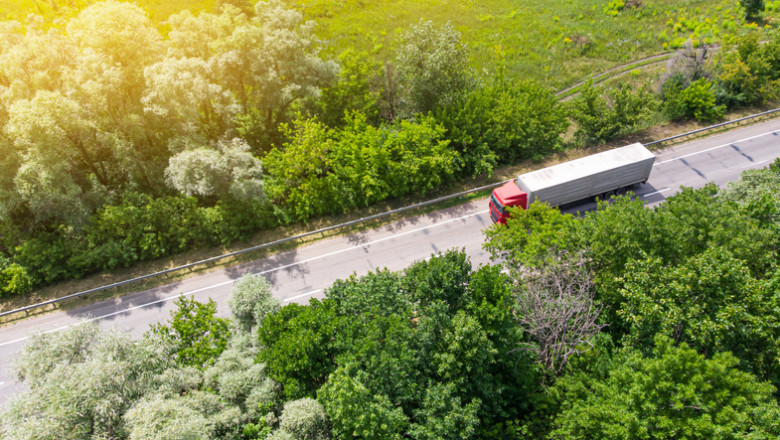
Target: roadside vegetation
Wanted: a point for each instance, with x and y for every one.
(627, 322)
(127, 141)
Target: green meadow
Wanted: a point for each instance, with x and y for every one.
(556, 42)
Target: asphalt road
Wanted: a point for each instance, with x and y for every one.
(304, 273)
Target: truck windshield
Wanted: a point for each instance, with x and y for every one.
(497, 204)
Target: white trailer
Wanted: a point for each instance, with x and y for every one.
(601, 174)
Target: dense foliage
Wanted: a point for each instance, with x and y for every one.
(628, 322)
(127, 141)
(124, 144)
(601, 119)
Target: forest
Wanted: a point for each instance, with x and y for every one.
(127, 140)
(627, 322)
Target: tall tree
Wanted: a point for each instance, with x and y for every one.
(268, 62)
(432, 65)
(674, 393)
(227, 171)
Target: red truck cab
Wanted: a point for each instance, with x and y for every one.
(507, 195)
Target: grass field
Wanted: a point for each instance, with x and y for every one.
(557, 42)
(554, 41)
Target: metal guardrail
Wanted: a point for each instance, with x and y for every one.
(722, 124)
(330, 228)
(251, 249)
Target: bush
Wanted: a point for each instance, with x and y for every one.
(143, 228)
(331, 171)
(49, 257)
(600, 119)
(504, 124)
(14, 278)
(694, 101)
(749, 74)
(251, 301)
(305, 419)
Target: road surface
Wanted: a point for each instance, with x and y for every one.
(304, 273)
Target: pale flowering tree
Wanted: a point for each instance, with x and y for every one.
(251, 300)
(305, 419)
(183, 93)
(226, 170)
(161, 418)
(267, 61)
(122, 32)
(432, 65)
(81, 382)
(32, 59)
(64, 161)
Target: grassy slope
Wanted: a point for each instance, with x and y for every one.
(554, 41)
(557, 42)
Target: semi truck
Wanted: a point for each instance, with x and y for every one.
(599, 175)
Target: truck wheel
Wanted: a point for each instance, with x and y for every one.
(620, 191)
(608, 195)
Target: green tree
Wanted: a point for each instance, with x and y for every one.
(531, 236)
(251, 301)
(674, 393)
(616, 232)
(752, 7)
(697, 101)
(758, 192)
(358, 413)
(502, 123)
(14, 278)
(442, 416)
(376, 293)
(600, 119)
(199, 336)
(140, 227)
(329, 171)
(747, 73)
(298, 347)
(358, 89)
(432, 65)
(441, 278)
(710, 302)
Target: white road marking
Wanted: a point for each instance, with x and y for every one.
(224, 283)
(655, 192)
(754, 164)
(715, 148)
(302, 295)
